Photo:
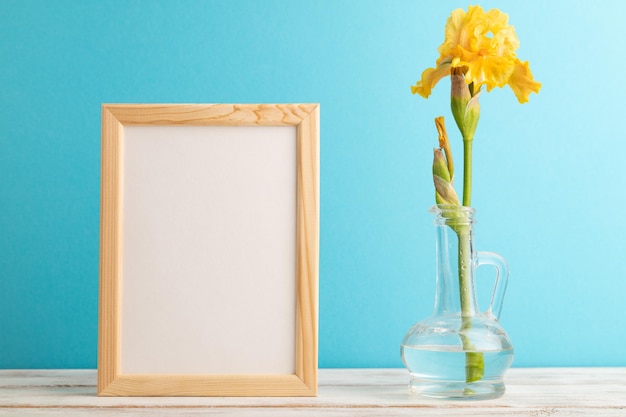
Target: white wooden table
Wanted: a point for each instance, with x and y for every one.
(342, 392)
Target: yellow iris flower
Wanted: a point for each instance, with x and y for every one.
(481, 44)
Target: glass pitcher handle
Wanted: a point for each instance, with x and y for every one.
(502, 279)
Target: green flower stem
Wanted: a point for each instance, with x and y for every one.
(464, 270)
(474, 361)
(467, 172)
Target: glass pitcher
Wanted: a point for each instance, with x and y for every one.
(459, 352)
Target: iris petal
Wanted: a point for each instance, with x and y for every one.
(484, 45)
(522, 82)
(430, 77)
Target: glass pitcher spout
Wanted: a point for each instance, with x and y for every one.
(460, 352)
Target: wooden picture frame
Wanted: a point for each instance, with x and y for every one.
(158, 336)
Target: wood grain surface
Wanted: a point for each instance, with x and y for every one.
(355, 393)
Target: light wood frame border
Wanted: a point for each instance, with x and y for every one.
(306, 119)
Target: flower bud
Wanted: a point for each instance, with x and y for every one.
(444, 144)
(444, 191)
(464, 103)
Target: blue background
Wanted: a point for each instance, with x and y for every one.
(548, 184)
